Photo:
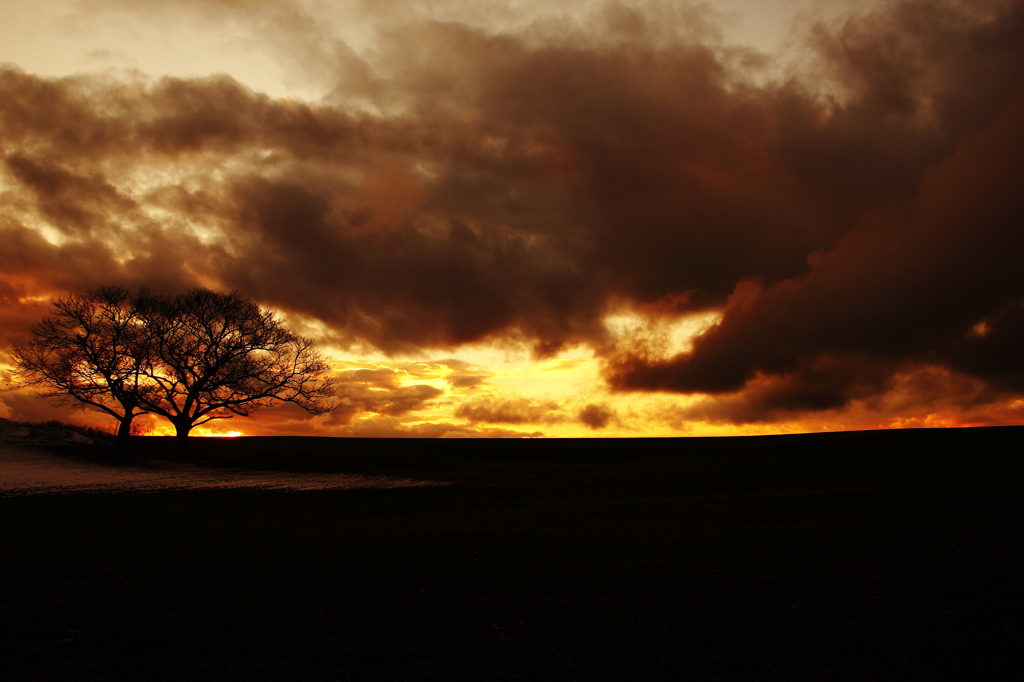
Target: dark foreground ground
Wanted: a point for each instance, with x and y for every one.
(861, 556)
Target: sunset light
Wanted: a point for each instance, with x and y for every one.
(637, 218)
(547, 340)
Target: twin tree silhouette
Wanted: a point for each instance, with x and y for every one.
(190, 358)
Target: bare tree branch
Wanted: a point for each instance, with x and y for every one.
(219, 355)
(91, 350)
(192, 358)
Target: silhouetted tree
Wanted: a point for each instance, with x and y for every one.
(217, 355)
(94, 350)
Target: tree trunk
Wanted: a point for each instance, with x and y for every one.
(124, 431)
(181, 429)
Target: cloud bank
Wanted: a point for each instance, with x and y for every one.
(854, 217)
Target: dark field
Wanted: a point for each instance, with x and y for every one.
(858, 556)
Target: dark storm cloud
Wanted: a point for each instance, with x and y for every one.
(16, 314)
(69, 202)
(848, 220)
(911, 397)
(491, 410)
(456, 380)
(379, 391)
(912, 285)
(596, 416)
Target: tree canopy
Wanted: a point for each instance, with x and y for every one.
(220, 355)
(191, 358)
(92, 350)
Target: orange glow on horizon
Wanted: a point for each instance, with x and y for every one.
(713, 255)
(203, 433)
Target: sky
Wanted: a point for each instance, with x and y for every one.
(577, 218)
